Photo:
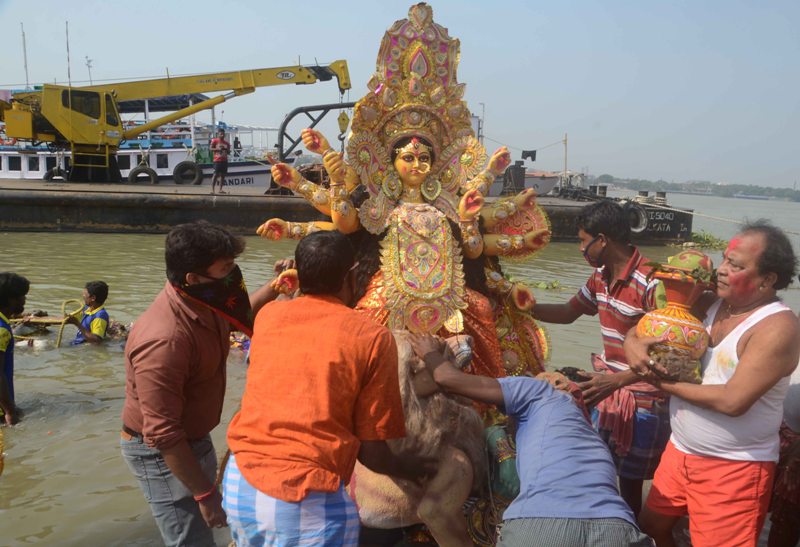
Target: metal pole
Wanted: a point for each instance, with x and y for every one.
(565, 154)
(25, 56)
(69, 92)
(483, 117)
(69, 73)
(89, 67)
(147, 118)
(193, 121)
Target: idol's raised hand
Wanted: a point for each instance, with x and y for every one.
(537, 239)
(470, 205)
(499, 161)
(335, 166)
(314, 141)
(273, 229)
(523, 297)
(286, 176)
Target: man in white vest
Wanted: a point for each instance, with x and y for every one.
(719, 465)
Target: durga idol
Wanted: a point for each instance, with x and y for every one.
(412, 192)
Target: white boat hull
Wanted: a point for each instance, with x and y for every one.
(30, 164)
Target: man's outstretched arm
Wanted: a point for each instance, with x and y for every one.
(448, 377)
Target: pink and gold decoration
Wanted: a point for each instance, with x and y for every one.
(684, 337)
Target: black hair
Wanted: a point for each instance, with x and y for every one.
(12, 286)
(778, 257)
(605, 217)
(323, 260)
(98, 289)
(193, 247)
(405, 140)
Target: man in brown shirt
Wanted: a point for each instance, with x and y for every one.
(175, 373)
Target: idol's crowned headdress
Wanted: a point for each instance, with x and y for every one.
(414, 92)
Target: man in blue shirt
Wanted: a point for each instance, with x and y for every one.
(13, 289)
(93, 323)
(568, 483)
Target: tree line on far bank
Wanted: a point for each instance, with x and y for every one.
(700, 187)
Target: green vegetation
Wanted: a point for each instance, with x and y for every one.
(702, 187)
(707, 240)
(554, 285)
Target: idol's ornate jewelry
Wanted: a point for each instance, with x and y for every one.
(503, 210)
(410, 194)
(340, 200)
(312, 192)
(496, 282)
(431, 189)
(471, 235)
(510, 244)
(415, 147)
(482, 182)
(299, 230)
(392, 187)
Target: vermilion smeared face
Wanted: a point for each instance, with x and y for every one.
(738, 278)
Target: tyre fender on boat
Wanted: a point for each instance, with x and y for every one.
(637, 216)
(133, 176)
(187, 172)
(55, 172)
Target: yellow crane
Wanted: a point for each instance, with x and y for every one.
(85, 120)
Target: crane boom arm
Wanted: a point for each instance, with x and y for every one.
(227, 81)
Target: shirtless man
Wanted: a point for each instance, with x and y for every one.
(720, 462)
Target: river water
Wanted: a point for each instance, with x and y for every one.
(64, 481)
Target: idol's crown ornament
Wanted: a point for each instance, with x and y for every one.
(414, 93)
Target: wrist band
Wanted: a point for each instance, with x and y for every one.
(204, 496)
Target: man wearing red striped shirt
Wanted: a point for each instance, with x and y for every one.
(630, 415)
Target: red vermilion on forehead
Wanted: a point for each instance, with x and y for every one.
(734, 244)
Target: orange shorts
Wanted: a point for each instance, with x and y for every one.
(726, 500)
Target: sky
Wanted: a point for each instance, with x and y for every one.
(679, 90)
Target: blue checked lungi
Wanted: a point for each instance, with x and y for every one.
(651, 431)
(256, 519)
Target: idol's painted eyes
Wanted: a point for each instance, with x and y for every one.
(422, 158)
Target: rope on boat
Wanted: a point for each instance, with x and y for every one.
(66, 317)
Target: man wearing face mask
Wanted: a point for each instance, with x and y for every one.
(175, 371)
(322, 391)
(630, 415)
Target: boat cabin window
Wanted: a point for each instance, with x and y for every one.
(161, 161)
(124, 161)
(83, 102)
(111, 111)
(14, 163)
(33, 163)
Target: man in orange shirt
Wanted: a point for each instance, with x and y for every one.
(322, 391)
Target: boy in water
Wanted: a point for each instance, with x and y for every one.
(13, 289)
(94, 320)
